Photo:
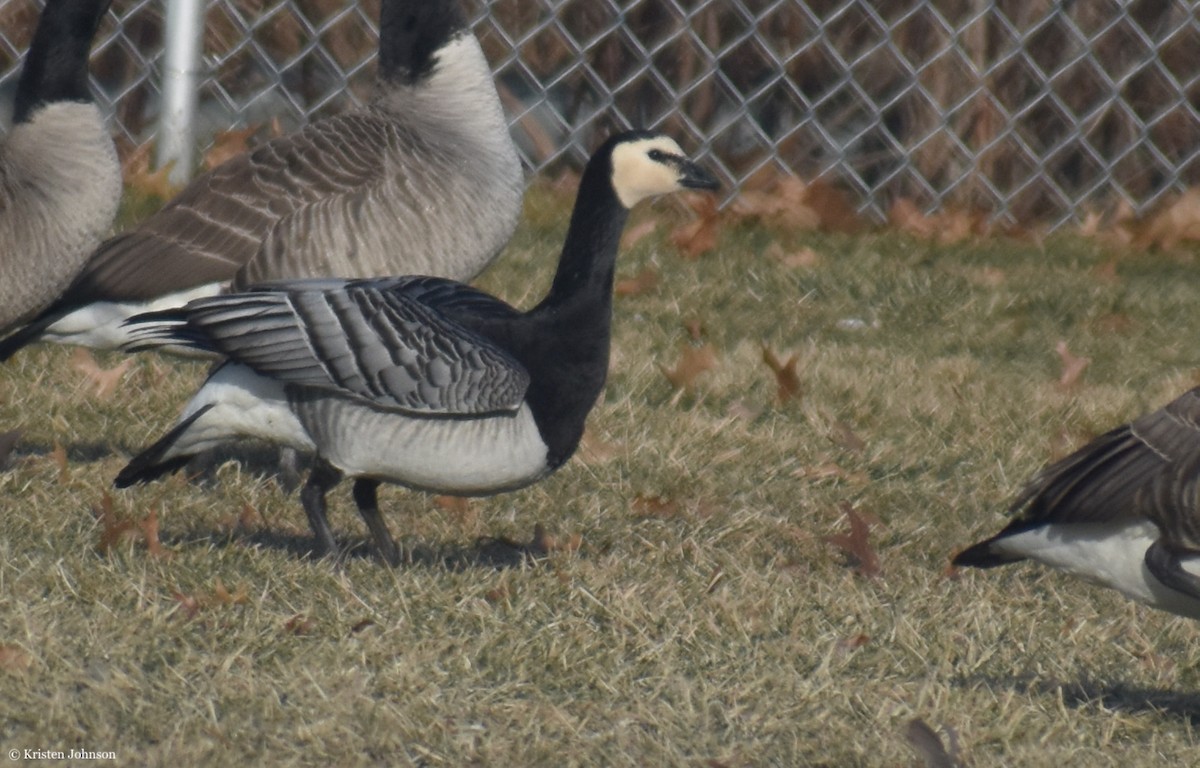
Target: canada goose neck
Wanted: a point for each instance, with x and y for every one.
(55, 68)
(411, 32)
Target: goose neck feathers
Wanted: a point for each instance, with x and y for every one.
(411, 34)
(55, 68)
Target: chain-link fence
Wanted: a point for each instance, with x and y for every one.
(1032, 109)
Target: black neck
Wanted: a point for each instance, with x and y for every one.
(589, 256)
(56, 66)
(410, 34)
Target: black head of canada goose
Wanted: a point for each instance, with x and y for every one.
(423, 180)
(60, 181)
(417, 380)
(1123, 512)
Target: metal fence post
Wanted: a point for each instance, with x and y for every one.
(183, 46)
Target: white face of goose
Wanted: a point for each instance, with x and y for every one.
(653, 166)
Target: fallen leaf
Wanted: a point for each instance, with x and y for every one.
(739, 410)
(655, 506)
(499, 594)
(693, 361)
(844, 436)
(458, 505)
(699, 236)
(113, 530)
(14, 658)
(804, 258)
(643, 282)
(228, 145)
(637, 232)
(853, 642)
(1172, 223)
(149, 528)
(59, 456)
(856, 545)
(835, 211)
(1117, 323)
(138, 175)
(596, 450)
(545, 543)
(1090, 226)
(225, 597)
(788, 201)
(360, 625)
(1073, 367)
(249, 517)
(829, 470)
(787, 380)
(187, 603)
(299, 625)
(947, 227)
(1106, 272)
(104, 380)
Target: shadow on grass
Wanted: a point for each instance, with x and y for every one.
(77, 453)
(1116, 697)
(499, 553)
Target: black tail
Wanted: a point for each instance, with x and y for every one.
(149, 465)
(982, 555)
(27, 334)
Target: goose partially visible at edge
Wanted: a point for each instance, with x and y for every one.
(60, 181)
(423, 180)
(1123, 512)
(418, 381)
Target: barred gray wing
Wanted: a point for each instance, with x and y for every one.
(364, 341)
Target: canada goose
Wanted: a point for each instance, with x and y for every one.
(60, 181)
(417, 380)
(1123, 511)
(424, 180)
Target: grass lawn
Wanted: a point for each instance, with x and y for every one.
(691, 608)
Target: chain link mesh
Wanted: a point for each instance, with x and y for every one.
(1034, 110)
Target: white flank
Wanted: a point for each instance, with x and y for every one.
(449, 455)
(244, 405)
(1111, 555)
(101, 325)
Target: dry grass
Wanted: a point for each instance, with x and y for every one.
(705, 620)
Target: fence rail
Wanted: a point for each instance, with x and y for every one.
(1032, 109)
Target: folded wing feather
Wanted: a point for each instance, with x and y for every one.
(364, 339)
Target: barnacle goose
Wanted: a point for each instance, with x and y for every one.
(423, 180)
(1123, 512)
(419, 381)
(60, 181)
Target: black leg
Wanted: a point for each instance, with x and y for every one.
(368, 506)
(1163, 562)
(322, 477)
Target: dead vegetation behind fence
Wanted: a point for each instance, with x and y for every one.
(1036, 111)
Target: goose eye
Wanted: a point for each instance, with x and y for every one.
(657, 155)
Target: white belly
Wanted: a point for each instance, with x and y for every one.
(476, 456)
(1111, 555)
(242, 404)
(101, 325)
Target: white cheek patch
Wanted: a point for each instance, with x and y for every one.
(635, 176)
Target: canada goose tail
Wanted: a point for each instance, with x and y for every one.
(26, 335)
(164, 328)
(154, 462)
